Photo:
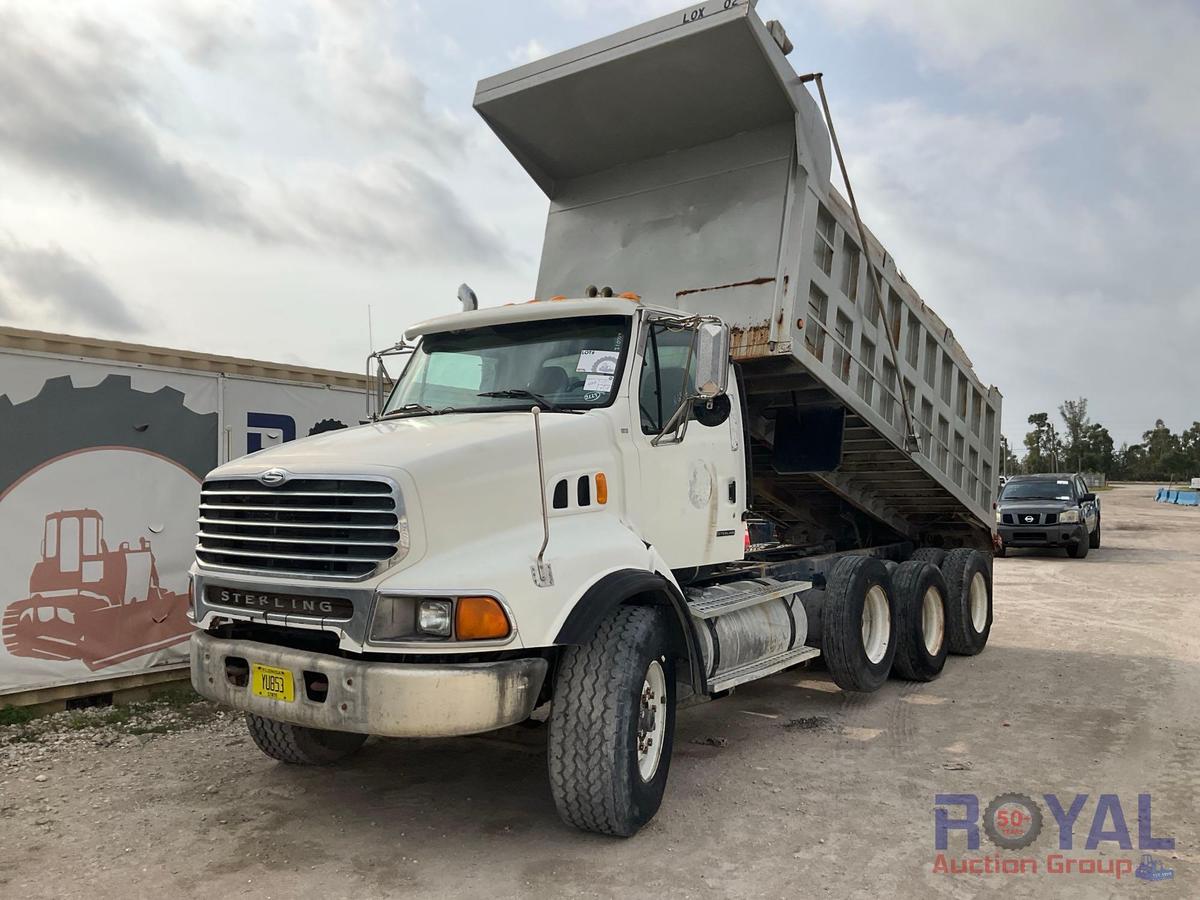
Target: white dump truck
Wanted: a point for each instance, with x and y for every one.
(725, 439)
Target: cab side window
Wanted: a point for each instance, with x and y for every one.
(665, 375)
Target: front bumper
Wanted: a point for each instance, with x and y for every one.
(1042, 535)
(391, 699)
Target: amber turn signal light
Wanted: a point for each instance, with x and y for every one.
(601, 488)
(479, 618)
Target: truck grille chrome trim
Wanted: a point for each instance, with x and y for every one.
(311, 527)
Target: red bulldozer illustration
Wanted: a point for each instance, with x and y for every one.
(93, 604)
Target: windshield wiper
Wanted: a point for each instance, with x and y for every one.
(512, 393)
(408, 408)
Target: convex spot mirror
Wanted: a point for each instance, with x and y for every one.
(712, 361)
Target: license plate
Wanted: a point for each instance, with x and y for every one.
(272, 683)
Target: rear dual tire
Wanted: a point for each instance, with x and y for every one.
(858, 623)
(921, 616)
(933, 555)
(968, 577)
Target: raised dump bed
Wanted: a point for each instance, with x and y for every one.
(686, 161)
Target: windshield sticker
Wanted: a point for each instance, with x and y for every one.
(1062, 482)
(602, 383)
(602, 362)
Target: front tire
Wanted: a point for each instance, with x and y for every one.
(968, 601)
(301, 746)
(921, 621)
(612, 724)
(1094, 538)
(858, 623)
(1079, 549)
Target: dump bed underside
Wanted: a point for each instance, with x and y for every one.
(684, 160)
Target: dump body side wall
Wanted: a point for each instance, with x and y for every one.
(685, 161)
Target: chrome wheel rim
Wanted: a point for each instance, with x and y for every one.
(979, 602)
(876, 624)
(652, 720)
(933, 620)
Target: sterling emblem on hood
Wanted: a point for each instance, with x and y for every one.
(273, 477)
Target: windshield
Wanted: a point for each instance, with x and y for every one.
(570, 363)
(1037, 490)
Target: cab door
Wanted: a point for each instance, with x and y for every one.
(693, 489)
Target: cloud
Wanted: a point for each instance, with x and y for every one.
(52, 284)
(89, 102)
(387, 207)
(70, 110)
(528, 52)
(1133, 60)
(352, 73)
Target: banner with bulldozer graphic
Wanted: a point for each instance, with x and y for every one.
(100, 472)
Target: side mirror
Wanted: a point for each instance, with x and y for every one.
(712, 361)
(1088, 498)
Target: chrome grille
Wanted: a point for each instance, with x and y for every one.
(342, 528)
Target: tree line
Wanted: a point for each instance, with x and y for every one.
(1081, 445)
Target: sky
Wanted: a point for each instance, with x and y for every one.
(249, 178)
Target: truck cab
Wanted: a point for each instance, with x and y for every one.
(535, 466)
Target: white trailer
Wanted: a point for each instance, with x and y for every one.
(103, 445)
(702, 456)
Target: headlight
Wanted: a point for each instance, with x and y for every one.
(998, 517)
(400, 618)
(1068, 516)
(435, 617)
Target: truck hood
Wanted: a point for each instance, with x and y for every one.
(1035, 505)
(407, 443)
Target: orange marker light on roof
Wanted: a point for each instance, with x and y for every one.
(480, 619)
(630, 295)
(601, 488)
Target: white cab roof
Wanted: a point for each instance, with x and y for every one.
(526, 312)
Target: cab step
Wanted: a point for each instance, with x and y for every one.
(760, 668)
(717, 600)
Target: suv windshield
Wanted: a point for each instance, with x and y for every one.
(1059, 489)
(570, 363)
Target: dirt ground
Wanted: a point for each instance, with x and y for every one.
(787, 788)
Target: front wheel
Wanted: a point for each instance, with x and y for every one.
(612, 724)
(299, 745)
(1094, 538)
(1079, 549)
